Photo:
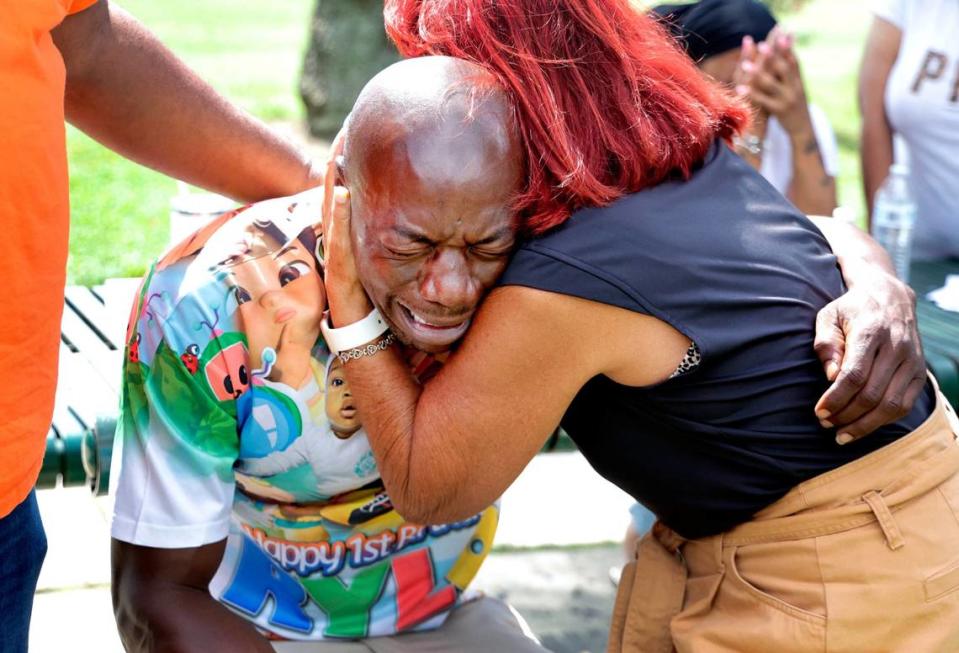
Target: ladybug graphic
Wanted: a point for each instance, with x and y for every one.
(191, 358)
(133, 353)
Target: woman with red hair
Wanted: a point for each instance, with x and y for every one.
(662, 311)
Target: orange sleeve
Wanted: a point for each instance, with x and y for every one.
(73, 6)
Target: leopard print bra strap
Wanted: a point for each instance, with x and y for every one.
(690, 361)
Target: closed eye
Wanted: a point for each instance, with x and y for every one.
(405, 254)
(491, 253)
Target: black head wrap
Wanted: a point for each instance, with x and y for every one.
(711, 27)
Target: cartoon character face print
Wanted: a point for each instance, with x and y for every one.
(280, 299)
(340, 407)
(191, 358)
(228, 373)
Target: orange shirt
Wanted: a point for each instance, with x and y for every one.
(34, 216)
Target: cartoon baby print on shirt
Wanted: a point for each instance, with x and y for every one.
(340, 456)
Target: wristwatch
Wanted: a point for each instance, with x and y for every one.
(353, 335)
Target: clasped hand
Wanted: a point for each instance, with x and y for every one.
(768, 75)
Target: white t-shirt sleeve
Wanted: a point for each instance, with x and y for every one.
(177, 444)
(893, 11)
(826, 139)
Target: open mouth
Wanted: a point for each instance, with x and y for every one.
(433, 331)
(348, 412)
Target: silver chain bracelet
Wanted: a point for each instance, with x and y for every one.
(367, 350)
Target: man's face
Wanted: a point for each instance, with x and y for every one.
(432, 232)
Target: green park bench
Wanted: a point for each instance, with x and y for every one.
(80, 440)
(939, 328)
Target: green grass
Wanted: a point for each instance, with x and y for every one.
(251, 51)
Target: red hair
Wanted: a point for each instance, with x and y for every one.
(606, 102)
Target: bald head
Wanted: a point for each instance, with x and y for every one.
(433, 163)
(439, 118)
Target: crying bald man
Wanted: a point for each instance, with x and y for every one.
(208, 556)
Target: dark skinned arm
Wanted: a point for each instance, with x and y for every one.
(162, 604)
(882, 49)
(129, 92)
(868, 339)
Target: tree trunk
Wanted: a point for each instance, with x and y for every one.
(348, 45)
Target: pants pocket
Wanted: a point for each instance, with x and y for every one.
(890, 600)
(784, 577)
(942, 583)
(741, 616)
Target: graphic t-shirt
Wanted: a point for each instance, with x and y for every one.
(237, 423)
(922, 104)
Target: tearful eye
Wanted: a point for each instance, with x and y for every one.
(241, 295)
(293, 271)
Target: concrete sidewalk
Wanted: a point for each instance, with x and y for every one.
(564, 592)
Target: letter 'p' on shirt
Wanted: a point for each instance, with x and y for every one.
(922, 103)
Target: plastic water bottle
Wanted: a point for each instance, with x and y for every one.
(893, 218)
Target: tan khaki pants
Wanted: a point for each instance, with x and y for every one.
(862, 559)
(483, 625)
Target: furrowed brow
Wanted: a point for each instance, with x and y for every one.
(414, 236)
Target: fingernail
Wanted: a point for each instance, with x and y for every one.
(747, 40)
(826, 424)
(749, 66)
(843, 438)
(832, 370)
(340, 195)
(763, 47)
(822, 413)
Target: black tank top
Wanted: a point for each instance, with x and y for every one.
(729, 262)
